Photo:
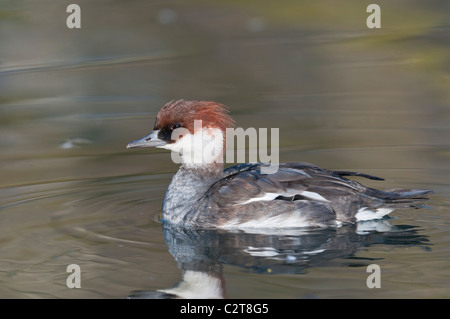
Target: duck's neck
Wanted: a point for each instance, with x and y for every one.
(188, 186)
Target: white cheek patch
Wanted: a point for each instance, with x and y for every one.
(314, 196)
(212, 145)
(177, 135)
(205, 146)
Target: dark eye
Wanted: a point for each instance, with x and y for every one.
(175, 126)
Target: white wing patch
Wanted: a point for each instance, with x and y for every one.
(290, 192)
(313, 195)
(265, 197)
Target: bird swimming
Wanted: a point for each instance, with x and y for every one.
(244, 196)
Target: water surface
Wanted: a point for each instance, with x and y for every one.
(343, 96)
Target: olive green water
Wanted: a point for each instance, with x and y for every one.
(343, 96)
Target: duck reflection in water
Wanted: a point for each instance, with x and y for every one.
(201, 253)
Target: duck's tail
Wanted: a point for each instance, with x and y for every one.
(402, 198)
(384, 202)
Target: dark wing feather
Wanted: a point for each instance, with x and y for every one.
(347, 173)
(299, 182)
(245, 181)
